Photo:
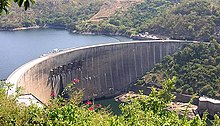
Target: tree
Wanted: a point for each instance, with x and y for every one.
(5, 4)
(196, 67)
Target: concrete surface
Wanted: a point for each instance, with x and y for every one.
(103, 70)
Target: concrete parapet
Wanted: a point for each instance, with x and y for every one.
(212, 106)
(186, 98)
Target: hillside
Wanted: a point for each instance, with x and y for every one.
(197, 68)
(175, 19)
(130, 21)
(191, 20)
(109, 8)
(62, 13)
(56, 13)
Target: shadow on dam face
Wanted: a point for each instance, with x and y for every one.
(103, 70)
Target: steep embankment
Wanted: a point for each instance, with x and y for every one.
(130, 20)
(197, 68)
(109, 8)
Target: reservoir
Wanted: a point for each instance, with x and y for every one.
(20, 47)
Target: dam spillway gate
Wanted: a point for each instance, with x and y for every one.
(59, 77)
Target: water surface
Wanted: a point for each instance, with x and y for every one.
(17, 48)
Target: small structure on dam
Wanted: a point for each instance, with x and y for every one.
(103, 70)
(210, 105)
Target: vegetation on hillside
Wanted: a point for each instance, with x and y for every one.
(176, 19)
(191, 20)
(55, 13)
(143, 111)
(132, 20)
(197, 68)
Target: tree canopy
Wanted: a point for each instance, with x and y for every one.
(197, 68)
(143, 111)
(5, 4)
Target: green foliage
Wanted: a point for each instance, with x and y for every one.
(25, 3)
(5, 4)
(10, 112)
(196, 67)
(144, 111)
(148, 111)
(191, 20)
(51, 13)
(176, 19)
(216, 121)
(132, 21)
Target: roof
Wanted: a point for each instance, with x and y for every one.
(29, 99)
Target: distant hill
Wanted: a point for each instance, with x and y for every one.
(62, 13)
(191, 20)
(176, 19)
(109, 8)
(129, 21)
(54, 13)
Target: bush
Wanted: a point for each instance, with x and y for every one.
(149, 110)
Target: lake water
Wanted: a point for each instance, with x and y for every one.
(17, 48)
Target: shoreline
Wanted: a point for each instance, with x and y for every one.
(26, 28)
(21, 28)
(133, 37)
(63, 28)
(33, 27)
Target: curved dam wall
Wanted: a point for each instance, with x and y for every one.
(103, 70)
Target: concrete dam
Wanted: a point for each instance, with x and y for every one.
(103, 70)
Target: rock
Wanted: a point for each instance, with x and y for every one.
(180, 108)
